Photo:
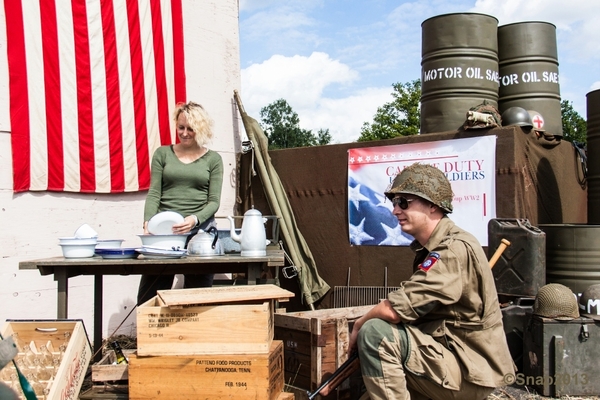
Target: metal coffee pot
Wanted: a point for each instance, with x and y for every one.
(253, 238)
(205, 243)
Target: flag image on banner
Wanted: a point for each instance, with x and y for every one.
(93, 85)
(469, 164)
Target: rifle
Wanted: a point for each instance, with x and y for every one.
(351, 365)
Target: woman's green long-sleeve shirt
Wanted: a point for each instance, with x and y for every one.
(193, 188)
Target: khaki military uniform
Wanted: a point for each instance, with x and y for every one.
(451, 342)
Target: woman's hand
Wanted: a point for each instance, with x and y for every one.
(146, 232)
(187, 225)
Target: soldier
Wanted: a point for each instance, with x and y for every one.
(440, 335)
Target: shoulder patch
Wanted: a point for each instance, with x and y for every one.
(429, 261)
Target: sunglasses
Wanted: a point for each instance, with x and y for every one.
(401, 202)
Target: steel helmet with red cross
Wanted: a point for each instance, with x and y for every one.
(537, 120)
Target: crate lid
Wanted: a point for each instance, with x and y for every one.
(221, 294)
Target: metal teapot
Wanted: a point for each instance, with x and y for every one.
(205, 243)
(253, 238)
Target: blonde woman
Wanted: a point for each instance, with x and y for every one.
(186, 178)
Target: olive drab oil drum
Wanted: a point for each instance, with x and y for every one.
(572, 255)
(459, 68)
(528, 60)
(593, 158)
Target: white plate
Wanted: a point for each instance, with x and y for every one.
(150, 252)
(162, 223)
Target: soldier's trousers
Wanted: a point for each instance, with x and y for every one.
(384, 350)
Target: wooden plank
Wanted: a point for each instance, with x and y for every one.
(106, 392)
(224, 294)
(273, 258)
(301, 320)
(105, 370)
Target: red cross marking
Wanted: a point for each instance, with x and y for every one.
(538, 121)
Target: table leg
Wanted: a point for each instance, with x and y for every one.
(62, 294)
(98, 306)
(254, 271)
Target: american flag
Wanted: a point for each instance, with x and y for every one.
(92, 88)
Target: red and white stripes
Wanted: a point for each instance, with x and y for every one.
(92, 88)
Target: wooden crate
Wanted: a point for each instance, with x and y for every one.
(70, 375)
(106, 392)
(315, 343)
(106, 370)
(217, 320)
(223, 376)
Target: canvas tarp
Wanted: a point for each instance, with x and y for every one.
(312, 286)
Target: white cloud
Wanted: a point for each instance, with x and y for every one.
(302, 81)
(344, 117)
(578, 22)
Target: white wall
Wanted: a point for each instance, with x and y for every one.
(31, 222)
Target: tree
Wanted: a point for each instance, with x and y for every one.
(401, 117)
(574, 126)
(281, 124)
(323, 137)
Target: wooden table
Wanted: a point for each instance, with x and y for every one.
(65, 268)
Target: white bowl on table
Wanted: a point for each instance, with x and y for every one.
(167, 242)
(77, 248)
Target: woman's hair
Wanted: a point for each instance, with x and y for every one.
(198, 119)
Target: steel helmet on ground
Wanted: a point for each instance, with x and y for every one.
(589, 302)
(556, 301)
(516, 116)
(425, 181)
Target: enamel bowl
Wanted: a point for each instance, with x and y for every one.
(167, 242)
(109, 243)
(77, 248)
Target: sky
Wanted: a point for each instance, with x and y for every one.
(335, 61)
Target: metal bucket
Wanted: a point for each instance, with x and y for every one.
(459, 68)
(528, 59)
(572, 255)
(593, 159)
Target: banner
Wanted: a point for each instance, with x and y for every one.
(469, 164)
(93, 85)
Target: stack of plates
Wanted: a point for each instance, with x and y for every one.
(157, 252)
(117, 252)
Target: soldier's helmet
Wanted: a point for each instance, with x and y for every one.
(516, 116)
(556, 301)
(537, 120)
(589, 302)
(425, 181)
